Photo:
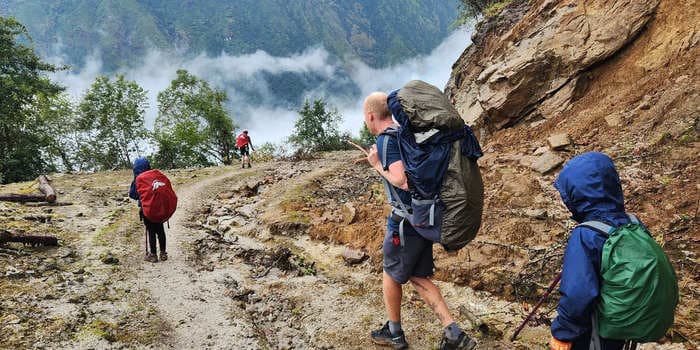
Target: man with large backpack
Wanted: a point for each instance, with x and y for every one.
(157, 203)
(408, 254)
(617, 285)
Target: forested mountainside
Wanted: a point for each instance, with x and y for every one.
(122, 31)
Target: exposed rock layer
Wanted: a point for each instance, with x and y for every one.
(536, 64)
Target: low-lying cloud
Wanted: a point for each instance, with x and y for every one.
(241, 77)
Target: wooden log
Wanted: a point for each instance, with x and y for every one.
(22, 198)
(6, 237)
(45, 188)
(47, 204)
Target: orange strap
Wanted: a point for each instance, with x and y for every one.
(556, 344)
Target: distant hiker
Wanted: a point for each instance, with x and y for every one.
(408, 256)
(617, 285)
(242, 142)
(157, 202)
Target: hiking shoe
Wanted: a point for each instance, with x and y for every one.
(163, 256)
(384, 337)
(462, 343)
(151, 258)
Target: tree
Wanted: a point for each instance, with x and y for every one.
(193, 128)
(469, 10)
(111, 120)
(366, 138)
(316, 129)
(22, 79)
(57, 123)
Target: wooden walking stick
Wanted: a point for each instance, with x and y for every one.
(532, 313)
(358, 147)
(357, 160)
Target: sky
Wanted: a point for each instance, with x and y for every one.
(266, 121)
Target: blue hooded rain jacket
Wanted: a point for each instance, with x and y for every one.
(590, 188)
(140, 165)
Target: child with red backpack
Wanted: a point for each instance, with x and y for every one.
(157, 203)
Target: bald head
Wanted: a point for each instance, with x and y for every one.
(375, 103)
(376, 111)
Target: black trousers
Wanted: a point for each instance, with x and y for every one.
(154, 229)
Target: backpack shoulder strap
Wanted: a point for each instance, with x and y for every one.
(633, 219)
(400, 208)
(390, 131)
(598, 226)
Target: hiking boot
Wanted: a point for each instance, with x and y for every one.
(151, 258)
(462, 343)
(384, 337)
(243, 166)
(163, 256)
(249, 166)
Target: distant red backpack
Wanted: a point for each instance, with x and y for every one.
(158, 200)
(241, 140)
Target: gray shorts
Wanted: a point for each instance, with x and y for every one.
(413, 259)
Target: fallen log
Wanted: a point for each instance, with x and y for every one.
(6, 237)
(48, 204)
(45, 188)
(22, 198)
(48, 193)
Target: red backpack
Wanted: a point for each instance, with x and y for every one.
(241, 140)
(158, 200)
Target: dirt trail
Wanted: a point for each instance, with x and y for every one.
(297, 293)
(192, 301)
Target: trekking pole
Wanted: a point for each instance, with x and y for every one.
(532, 313)
(145, 238)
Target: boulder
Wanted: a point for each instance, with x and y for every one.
(354, 256)
(516, 66)
(540, 150)
(540, 214)
(349, 213)
(547, 162)
(225, 195)
(558, 141)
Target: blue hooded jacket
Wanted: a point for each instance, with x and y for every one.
(140, 165)
(590, 188)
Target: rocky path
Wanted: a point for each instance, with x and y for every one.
(192, 301)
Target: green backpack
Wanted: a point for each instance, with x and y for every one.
(638, 289)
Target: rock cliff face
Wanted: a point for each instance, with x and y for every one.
(549, 79)
(533, 69)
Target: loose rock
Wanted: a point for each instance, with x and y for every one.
(558, 141)
(353, 256)
(349, 213)
(108, 258)
(547, 162)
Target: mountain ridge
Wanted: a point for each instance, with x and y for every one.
(121, 32)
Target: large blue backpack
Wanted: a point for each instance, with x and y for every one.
(439, 152)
